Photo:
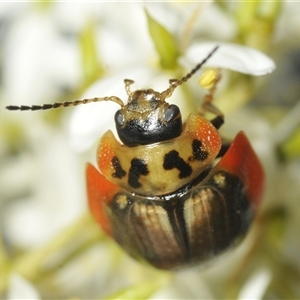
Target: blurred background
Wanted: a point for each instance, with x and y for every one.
(54, 52)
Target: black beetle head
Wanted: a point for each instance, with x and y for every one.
(147, 119)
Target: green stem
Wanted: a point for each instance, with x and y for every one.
(142, 290)
(4, 268)
(256, 22)
(59, 251)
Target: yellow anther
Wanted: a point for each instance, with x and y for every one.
(209, 78)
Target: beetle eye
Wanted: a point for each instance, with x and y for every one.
(171, 112)
(119, 118)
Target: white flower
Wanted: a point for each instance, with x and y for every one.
(38, 60)
(20, 288)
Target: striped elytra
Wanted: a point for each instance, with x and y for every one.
(191, 226)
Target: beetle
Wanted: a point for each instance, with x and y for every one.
(171, 194)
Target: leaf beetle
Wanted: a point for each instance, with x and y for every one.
(171, 194)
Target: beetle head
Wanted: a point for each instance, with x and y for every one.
(147, 118)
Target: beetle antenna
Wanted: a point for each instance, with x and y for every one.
(66, 104)
(174, 83)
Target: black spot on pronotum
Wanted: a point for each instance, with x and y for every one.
(173, 160)
(198, 153)
(138, 168)
(119, 172)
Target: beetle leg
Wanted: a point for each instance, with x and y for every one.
(207, 102)
(225, 146)
(218, 121)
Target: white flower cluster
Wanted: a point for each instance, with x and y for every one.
(42, 185)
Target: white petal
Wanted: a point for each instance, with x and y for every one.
(54, 179)
(230, 56)
(37, 63)
(256, 286)
(119, 42)
(20, 288)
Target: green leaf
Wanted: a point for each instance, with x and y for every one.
(256, 21)
(290, 148)
(164, 43)
(44, 5)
